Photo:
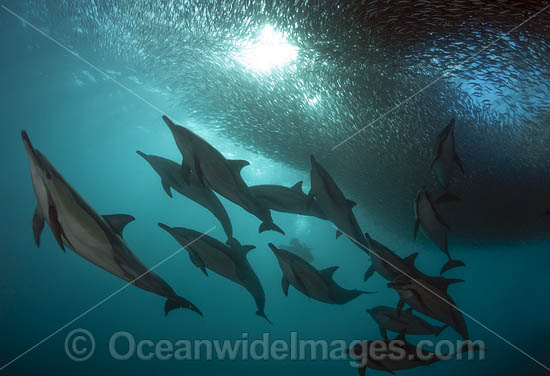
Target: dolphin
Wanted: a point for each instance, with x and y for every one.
(445, 156)
(96, 238)
(433, 224)
(398, 354)
(172, 176)
(387, 263)
(429, 296)
(389, 318)
(287, 200)
(222, 175)
(316, 284)
(335, 205)
(227, 260)
(299, 249)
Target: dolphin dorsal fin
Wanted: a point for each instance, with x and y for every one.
(328, 272)
(410, 259)
(118, 221)
(297, 187)
(351, 203)
(237, 164)
(248, 248)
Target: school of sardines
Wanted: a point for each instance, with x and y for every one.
(204, 171)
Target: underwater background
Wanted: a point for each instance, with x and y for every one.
(179, 58)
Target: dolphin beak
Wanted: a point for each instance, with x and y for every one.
(141, 154)
(273, 248)
(164, 227)
(28, 144)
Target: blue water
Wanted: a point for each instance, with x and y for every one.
(90, 128)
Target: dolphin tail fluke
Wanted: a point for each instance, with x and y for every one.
(262, 314)
(451, 264)
(179, 302)
(265, 226)
(440, 329)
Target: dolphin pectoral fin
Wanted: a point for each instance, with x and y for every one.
(196, 260)
(451, 264)
(338, 234)
(118, 221)
(179, 302)
(199, 173)
(416, 226)
(265, 226)
(285, 284)
(459, 163)
(237, 165)
(37, 225)
(328, 272)
(55, 225)
(409, 260)
(447, 198)
(298, 187)
(166, 187)
(370, 271)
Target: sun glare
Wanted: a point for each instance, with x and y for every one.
(270, 50)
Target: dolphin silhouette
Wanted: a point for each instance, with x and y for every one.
(172, 176)
(287, 200)
(227, 260)
(445, 156)
(316, 284)
(398, 354)
(429, 296)
(96, 238)
(388, 318)
(387, 263)
(338, 209)
(221, 174)
(433, 224)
